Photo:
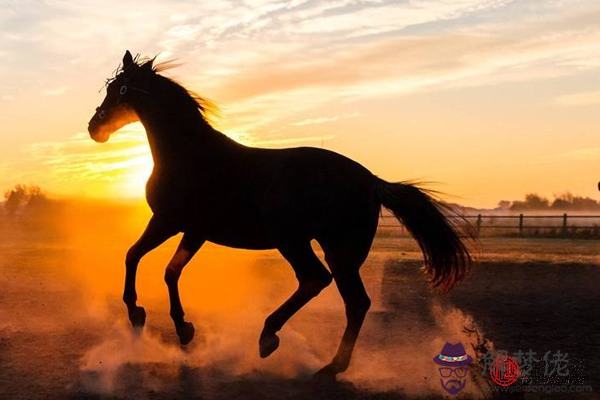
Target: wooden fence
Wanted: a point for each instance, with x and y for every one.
(521, 222)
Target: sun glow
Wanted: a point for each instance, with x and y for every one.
(79, 166)
(135, 164)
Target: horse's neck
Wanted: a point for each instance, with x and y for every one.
(177, 138)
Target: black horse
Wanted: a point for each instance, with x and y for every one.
(214, 189)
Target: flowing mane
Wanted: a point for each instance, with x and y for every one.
(207, 109)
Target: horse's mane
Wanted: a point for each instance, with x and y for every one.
(205, 107)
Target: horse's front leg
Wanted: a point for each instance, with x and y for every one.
(155, 234)
(187, 248)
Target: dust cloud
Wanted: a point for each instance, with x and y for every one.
(71, 270)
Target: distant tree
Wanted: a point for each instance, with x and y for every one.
(532, 202)
(585, 203)
(504, 204)
(37, 198)
(563, 201)
(15, 198)
(536, 202)
(567, 201)
(23, 197)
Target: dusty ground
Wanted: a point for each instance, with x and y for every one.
(63, 332)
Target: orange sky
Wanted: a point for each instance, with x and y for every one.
(492, 98)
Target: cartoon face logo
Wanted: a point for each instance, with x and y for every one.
(453, 361)
(453, 379)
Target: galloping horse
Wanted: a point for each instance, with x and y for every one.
(214, 189)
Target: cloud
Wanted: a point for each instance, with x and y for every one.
(403, 65)
(323, 120)
(544, 49)
(56, 92)
(392, 16)
(362, 49)
(578, 99)
(587, 154)
(294, 140)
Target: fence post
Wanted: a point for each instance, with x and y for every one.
(478, 224)
(564, 227)
(521, 224)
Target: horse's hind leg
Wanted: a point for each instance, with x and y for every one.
(154, 235)
(312, 278)
(187, 248)
(345, 263)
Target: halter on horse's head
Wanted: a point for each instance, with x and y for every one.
(116, 110)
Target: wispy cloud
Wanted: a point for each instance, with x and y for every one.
(363, 48)
(323, 120)
(587, 154)
(384, 17)
(315, 140)
(56, 91)
(579, 99)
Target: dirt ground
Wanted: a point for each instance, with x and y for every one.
(64, 333)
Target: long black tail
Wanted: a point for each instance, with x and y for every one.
(447, 258)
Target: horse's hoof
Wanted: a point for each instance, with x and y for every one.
(137, 316)
(185, 333)
(326, 374)
(267, 345)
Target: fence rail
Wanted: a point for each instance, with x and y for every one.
(479, 221)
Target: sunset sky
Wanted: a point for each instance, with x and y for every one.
(491, 98)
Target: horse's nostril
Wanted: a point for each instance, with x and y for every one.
(92, 125)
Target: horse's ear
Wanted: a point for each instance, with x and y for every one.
(127, 60)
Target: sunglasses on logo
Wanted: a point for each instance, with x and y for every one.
(459, 372)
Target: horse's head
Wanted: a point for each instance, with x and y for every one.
(116, 110)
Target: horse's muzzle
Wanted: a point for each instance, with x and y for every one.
(96, 132)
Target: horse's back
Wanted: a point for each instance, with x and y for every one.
(318, 192)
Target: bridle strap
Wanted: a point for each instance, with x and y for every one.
(122, 92)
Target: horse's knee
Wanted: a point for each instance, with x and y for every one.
(313, 285)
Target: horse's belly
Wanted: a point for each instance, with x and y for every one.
(256, 241)
(232, 228)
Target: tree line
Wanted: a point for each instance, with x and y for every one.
(565, 201)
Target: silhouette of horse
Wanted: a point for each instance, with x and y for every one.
(214, 189)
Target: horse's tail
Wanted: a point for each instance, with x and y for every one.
(447, 258)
